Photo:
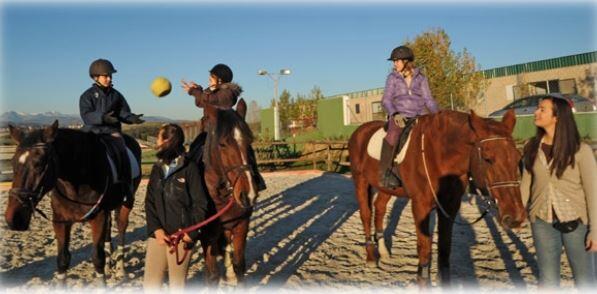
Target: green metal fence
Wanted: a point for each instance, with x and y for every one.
(572, 60)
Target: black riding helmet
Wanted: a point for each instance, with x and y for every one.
(101, 67)
(223, 72)
(402, 52)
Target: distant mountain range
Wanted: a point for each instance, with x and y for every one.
(37, 119)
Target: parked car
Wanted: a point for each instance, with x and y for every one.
(528, 105)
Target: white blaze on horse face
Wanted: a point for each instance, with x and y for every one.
(23, 157)
(239, 140)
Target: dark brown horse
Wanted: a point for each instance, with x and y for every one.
(73, 167)
(444, 148)
(228, 178)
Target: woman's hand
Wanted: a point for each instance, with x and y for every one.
(161, 237)
(188, 86)
(591, 245)
(187, 239)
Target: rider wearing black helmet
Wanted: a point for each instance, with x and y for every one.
(406, 96)
(221, 93)
(103, 109)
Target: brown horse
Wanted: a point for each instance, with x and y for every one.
(228, 178)
(73, 167)
(443, 149)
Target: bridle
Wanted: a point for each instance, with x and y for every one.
(29, 198)
(489, 199)
(482, 163)
(225, 187)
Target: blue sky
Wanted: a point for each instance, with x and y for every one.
(338, 46)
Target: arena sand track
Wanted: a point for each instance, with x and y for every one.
(306, 234)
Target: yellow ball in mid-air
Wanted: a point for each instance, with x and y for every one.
(161, 87)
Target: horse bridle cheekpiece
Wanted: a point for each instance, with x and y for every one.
(29, 198)
(490, 199)
(482, 161)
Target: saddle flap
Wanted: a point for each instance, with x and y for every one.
(375, 142)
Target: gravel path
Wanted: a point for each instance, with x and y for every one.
(305, 234)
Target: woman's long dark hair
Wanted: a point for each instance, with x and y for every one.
(174, 147)
(566, 141)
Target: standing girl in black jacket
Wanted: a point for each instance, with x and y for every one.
(175, 199)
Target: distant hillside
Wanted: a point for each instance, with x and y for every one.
(38, 119)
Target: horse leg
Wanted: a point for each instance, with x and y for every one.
(62, 231)
(123, 222)
(421, 214)
(364, 199)
(212, 273)
(98, 232)
(228, 263)
(381, 203)
(239, 242)
(444, 231)
(108, 243)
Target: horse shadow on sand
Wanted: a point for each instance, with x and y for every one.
(44, 269)
(464, 239)
(287, 227)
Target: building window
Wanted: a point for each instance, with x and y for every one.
(567, 86)
(538, 87)
(553, 86)
(357, 108)
(377, 111)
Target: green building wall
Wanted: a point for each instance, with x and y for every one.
(267, 124)
(330, 123)
(586, 123)
(330, 119)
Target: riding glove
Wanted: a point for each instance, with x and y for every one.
(109, 119)
(399, 120)
(136, 119)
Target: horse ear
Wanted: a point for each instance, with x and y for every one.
(478, 124)
(15, 133)
(241, 108)
(50, 132)
(509, 120)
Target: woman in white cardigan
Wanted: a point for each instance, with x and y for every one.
(559, 187)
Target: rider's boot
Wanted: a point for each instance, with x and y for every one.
(387, 178)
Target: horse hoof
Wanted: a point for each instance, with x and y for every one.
(60, 280)
(371, 263)
(100, 280)
(383, 251)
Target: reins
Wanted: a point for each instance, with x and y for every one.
(177, 237)
(489, 199)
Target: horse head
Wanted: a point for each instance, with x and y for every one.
(227, 153)
(495, 166)
(33, 166)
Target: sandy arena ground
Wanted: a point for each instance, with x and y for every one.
(306, 234)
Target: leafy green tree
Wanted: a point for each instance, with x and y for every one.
(454, 77)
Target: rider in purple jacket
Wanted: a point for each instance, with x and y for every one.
(406, 95)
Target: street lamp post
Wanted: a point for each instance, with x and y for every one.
(275, 77)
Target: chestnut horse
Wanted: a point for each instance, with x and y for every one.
(228, 178)
(444, 148)
(73, 167)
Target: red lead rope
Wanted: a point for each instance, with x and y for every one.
(177, 237)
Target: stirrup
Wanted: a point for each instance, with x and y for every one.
(391, 180)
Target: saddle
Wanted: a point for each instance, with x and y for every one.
(375, 142)
(123, 164)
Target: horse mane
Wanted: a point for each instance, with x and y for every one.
(459, 122)
(227, 121)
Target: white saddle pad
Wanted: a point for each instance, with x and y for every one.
(374, 146)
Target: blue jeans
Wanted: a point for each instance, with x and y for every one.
(548, 243)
